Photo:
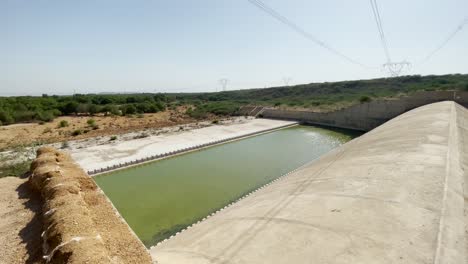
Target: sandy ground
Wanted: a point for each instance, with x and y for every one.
(100, 156)
(20, 225)
(26, 134)
(19, 154)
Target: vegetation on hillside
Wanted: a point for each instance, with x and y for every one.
(317, 94)
(200, 105)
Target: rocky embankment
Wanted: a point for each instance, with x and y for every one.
(80, 225)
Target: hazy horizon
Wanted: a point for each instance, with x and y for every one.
(182, 92)
(57, 47)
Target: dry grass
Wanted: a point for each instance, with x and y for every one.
(78, 128)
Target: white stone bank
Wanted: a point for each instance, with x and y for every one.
(124, 153)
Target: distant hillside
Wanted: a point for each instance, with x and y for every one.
(321, 96)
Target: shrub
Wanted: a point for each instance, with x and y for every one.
(63, 123)
(112, 138)
(77, 132)
(47, 130)
(24, 116)
(365, 99)
(46, 116)
(91, 122)
(129, 110)
(6, 118)
(70, 107)
(93, 109)
(215, 121)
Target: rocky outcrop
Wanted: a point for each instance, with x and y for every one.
(80, 223)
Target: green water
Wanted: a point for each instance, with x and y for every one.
(163, 197)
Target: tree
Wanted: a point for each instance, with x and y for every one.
(70, 107)
(129, 110)
(6, 117)
(82, 108)
(93, 109)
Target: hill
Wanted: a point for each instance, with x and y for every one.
(320, 96)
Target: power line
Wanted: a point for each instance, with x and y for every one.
(447, 40)
(378, 21)
(293, 26)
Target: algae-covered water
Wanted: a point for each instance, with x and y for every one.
(160, 198)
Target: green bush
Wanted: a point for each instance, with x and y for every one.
(129, 110)
(91, 122)
(93, 109)
(6, 118)
(77, 132)
(364, 99)
(63, 123)
(46, 116)
(112, 138)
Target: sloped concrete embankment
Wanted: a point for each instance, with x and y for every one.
(397, 194)
(367, 116)
(80, 223)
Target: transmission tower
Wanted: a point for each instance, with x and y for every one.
(223, 82)
(287, 80)
(393, 68)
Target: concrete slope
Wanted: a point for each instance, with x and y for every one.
(394, 195)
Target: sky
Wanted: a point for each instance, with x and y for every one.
(66, 47)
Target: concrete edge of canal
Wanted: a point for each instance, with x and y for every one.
(170, 154)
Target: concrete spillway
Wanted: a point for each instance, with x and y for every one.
(393, 195)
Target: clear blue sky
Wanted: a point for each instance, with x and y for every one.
(57, 47)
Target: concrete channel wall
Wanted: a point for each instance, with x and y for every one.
(180, 151)
(367, 116)
(397, 194)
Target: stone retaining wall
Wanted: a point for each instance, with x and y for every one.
(367, 116)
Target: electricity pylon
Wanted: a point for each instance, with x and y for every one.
(223, 83)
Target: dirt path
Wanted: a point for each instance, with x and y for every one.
(20, 225)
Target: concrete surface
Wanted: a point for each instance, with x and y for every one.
(393, 195)
(367, 116)
(101, 156)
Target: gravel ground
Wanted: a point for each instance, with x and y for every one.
(20, 224)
